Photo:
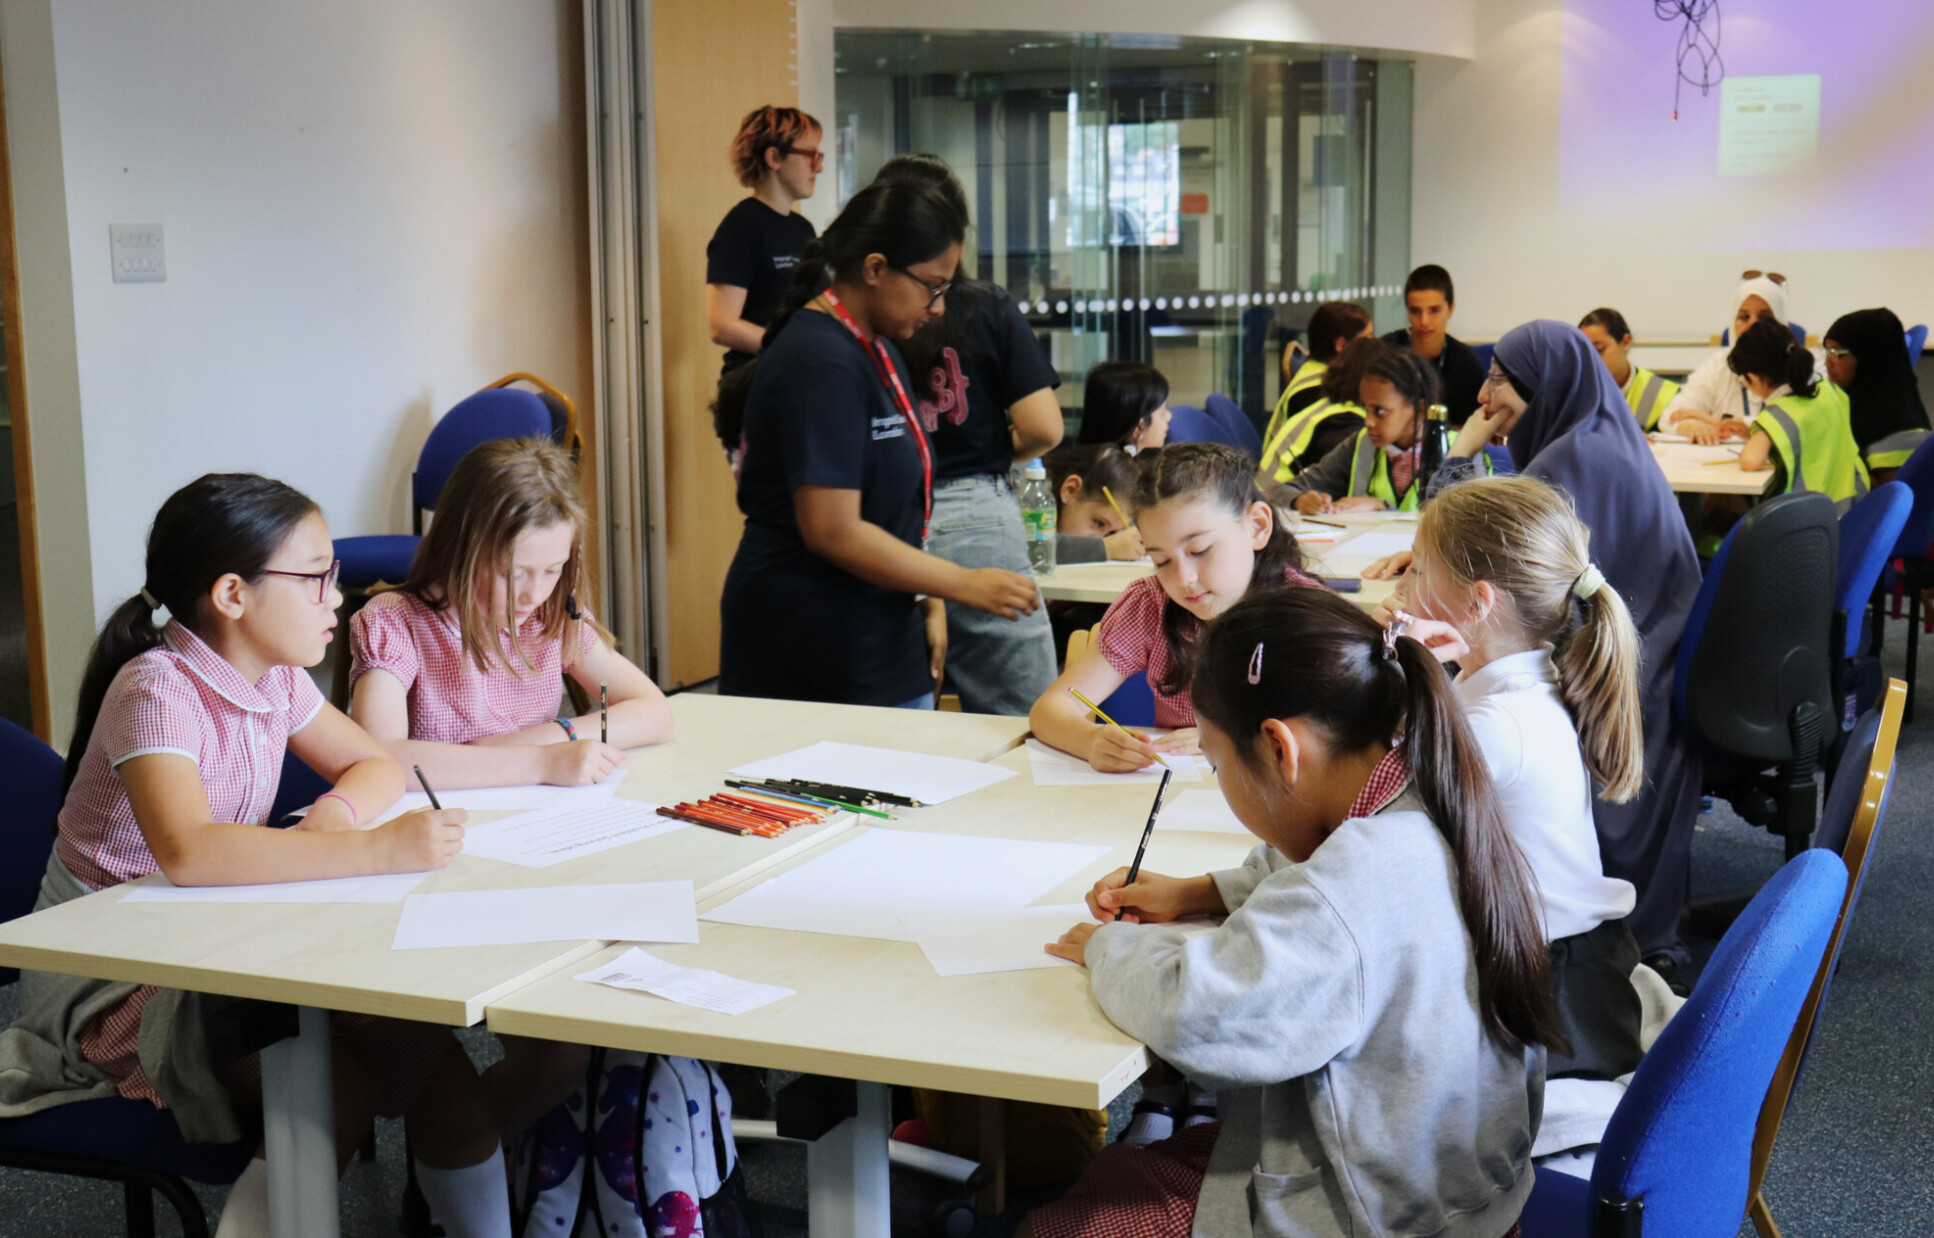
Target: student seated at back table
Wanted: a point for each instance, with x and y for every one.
(1376, 1007)
(1430, 299)
(1091, 528)
(1803, 428)
(1331, 416)
(173, 767)
(1125, 403)
(1332, 329)
(1867, 358)
(1213, 537)
(1715, 404)
(1647, 393)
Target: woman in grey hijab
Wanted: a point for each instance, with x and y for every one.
(1556, 408)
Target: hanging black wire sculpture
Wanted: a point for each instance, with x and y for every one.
(1698, 53)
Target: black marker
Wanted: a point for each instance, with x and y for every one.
(1148, 831)
(432, 794)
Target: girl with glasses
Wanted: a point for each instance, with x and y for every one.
(751, 258)
(177, 752)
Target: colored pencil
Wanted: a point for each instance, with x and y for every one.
(604, 716)
(426, 787)
(1120, 515)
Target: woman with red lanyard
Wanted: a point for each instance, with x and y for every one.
(831, 596)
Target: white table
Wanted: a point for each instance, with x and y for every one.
(1690, 469)
(875, 1012)
(338, 957)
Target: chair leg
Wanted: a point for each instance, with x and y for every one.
(181, 1197)
(1913, 650)
(1762, 1217)
(140, 1209)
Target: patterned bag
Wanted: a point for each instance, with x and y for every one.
(658, 1123)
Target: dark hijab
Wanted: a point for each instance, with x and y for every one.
(1885, 397)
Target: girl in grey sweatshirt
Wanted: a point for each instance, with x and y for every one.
(1375, 1006)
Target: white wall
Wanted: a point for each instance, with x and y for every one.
(1486, 204)
(1443, 27)
(370, 210)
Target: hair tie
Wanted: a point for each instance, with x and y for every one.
(1255, 665)
(1399, 621)
(1589, 581)
(149, 599)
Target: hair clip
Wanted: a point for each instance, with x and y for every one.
(149, 599)
(571, 606)
(1255, 665)
(1399, 621)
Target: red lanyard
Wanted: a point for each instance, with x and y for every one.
(890, 379)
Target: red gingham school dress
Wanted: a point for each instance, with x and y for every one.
(451, 702)
(1150, 1191)
(185, 699)
(1131, 640)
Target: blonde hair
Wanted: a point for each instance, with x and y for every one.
(497, 492)
(1523, 537)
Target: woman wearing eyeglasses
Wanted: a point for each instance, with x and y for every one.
(1715, 403)
(750, 261)
(832, 595)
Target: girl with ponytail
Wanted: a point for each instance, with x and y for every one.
(1805, 428)
(1375, 1007)
(176, 755)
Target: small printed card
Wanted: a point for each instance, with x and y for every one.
(689, 986)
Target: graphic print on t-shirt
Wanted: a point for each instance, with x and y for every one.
(950, 393)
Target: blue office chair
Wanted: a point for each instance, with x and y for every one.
(1502, 465)
(1867, 535)
(1799, 335)
(1484, 352)
(1132, 704)
(299, 788)
(1237, 429)
(1916, 340)
(1189, 424)
(113, 1139)
(1753, 682)
(1677, 1155)
(1912, 571)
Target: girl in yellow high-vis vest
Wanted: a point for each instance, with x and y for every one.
(1646, 393)
(1804, 426)
(1304, 425)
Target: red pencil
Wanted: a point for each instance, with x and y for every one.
(694, 819)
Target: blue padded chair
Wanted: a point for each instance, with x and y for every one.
(1189, 424)
(1855, 808)
(1502, 465)
(1132, 704)
(299, 788)
(1237, 429)
(1484, 352)
(1916, 340)
(1799, 335)
(1677, 1155)
(1758, 697)
(113, 1139)
(1868, 533)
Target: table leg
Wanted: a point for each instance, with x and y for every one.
(992, 1200)
(846, 1172)
(299, 1121)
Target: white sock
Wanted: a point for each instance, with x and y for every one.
(246, 1214)
(470, 1202)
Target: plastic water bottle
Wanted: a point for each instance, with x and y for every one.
(1040, 515)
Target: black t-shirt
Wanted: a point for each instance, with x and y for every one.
(1459, 375)
(793, 625)
(756, 248)
(967, 417)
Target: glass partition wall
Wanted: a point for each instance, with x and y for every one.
(1185, 202)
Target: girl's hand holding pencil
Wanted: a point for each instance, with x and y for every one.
(419, 841)
(584, 763)
(1117, 750)
(1153, 898)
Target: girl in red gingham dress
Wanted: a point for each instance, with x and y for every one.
(173, 767)
(460, 670)
(1213, 538)
(1369, 993)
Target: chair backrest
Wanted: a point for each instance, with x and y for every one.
(1799, 334)
(1872, 781)
(1764, 651)
(493, 413)
(1132, 704)
(1189, 424)
(1867, 535)
(1918, 476)
(1237, 429)
(1916, 340)
(31, 773)
(1695, 629)
(1502, 465)
(299, 787)
(1484, 352)
(1681, 1139)
(1849, 780)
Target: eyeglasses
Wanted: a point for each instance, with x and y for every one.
(936, 291)
(325, 580)
(1838, 353)
(1496, 378)
(816, 157)
(1775, 276)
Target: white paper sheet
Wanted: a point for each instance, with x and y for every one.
(645, 911)
(557, 833)
(867, 887)
(929, 779)
(1007, 939)
(688, 986)
(504, 799)
(1199, 812)
(1351, 557)
(1052, 767)
(1144, 561)
(387, 888)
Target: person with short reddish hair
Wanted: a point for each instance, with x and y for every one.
(750, 261)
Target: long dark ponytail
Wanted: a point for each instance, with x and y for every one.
(1768, 350)
(217, 524)
(905, 220)
(1227, 475)
(1325, 661)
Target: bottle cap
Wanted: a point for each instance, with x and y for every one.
(1035, 469)
(1437, 412)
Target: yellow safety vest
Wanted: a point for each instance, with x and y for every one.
(1649, 395)
(1814, 440)
(1370, 474)
(1309, 374)
(1892, 451)
(1292, 438)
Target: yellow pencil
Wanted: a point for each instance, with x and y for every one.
(1711, 463)
(1108, 494)
(1096, 711)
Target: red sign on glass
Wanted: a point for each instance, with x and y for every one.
(1195, 204)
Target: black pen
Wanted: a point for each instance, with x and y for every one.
(1148, 831)
(432, 794)
(604, 717)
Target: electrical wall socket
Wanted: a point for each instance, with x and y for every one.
(139, 257)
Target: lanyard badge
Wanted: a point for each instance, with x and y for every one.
(890, 379)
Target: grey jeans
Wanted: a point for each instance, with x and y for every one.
(999, 666)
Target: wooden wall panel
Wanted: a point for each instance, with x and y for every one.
(712, 62)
